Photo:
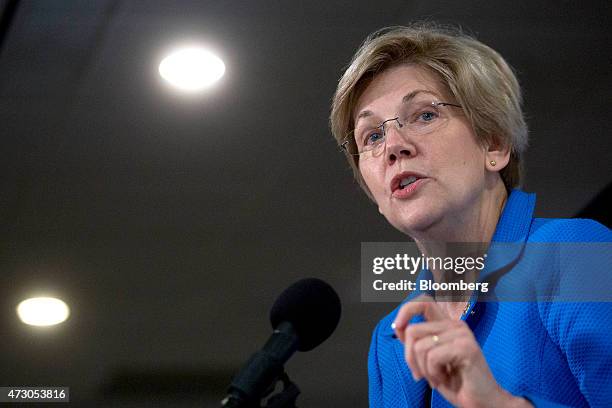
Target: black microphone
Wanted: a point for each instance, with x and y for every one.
(303, 316)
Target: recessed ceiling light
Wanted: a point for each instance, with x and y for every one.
(43, 311)
(191, 68)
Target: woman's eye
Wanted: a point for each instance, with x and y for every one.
(372, 138)
(427, 116)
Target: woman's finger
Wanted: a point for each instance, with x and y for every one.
(416, 332)
(424, 305)
(422, 347)
(442, 362)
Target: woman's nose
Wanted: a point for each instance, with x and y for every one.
(397, 144)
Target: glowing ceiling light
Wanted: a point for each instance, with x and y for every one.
(191, 69)
(43, 311)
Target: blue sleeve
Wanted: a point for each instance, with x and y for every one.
(374, 376)
(582, 330)
(538, 402)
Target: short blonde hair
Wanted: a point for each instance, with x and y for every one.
(476, 75)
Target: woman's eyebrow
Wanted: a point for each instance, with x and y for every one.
(410, 96)
(406, 99)
(363, 114)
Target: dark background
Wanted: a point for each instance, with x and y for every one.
(170, 222)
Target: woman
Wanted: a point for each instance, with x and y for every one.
(432, 125)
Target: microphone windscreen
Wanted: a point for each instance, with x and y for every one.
(312, 306)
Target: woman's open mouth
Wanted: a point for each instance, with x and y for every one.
(406, 184)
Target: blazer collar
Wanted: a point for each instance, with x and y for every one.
(515, 220)
(510, 234)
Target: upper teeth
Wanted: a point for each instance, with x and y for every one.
(407, 180)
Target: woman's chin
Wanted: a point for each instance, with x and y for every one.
(414, 224)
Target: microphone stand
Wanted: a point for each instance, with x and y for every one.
(286, 398)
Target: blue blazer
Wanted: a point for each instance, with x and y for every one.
(554, 354)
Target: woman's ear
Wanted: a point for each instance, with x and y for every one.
(497, 156)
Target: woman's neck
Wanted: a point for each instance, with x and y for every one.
(473, 229)
(474, 225)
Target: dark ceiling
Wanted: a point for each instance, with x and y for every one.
(169, 223)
